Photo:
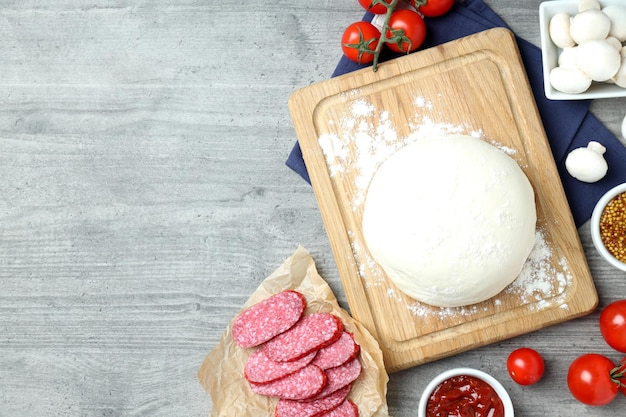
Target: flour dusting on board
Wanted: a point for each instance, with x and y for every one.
(540, 281)
(363, 140)
(366, 139)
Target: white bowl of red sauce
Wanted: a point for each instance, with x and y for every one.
(465, 391)
(608, 226)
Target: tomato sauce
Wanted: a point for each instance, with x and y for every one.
(464, 396)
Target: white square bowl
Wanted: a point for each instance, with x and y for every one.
(550, 53)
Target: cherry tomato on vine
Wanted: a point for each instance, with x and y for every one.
(359, 41)
(591, 379)
(375, 6)
(525, 366)
(613, 325)
(433, 8)
(406, 32)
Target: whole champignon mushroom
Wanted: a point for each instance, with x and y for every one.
(592, 24)
(620, 78)
(569, 80)
(598, 59)
(615, 43)
(588, 4)
(559, 30)
(587, 164)
(567, 57)
(617, 16)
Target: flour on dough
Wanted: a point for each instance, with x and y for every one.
(451, 220)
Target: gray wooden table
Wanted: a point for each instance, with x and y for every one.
(144, 196)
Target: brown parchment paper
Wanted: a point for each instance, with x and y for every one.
(221, 373)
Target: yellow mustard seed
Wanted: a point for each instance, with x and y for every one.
(613, 227)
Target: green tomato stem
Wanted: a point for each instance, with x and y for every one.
(619, 373)
(383, 33)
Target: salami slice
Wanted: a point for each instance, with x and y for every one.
(305, 383)
(340, 377)
(291, 408)
(345, 409)
(261, 322)
(338, 353)
(312, 332)
(260, 369)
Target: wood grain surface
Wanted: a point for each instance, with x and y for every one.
(144, 196)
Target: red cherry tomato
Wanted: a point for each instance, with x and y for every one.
(359, 41)
(406, 32)
(591, 379)
(525, 366)
(613, 325)
(434, 8)
(375, 6)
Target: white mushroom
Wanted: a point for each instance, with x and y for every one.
(620, 77)
(569, 80)
(559, 29)
(617, 16)
(567, 57)
(614, 42)
(588, 4)
(598, 59)
(587, 164)
(592, 24)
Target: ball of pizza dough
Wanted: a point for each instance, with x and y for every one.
(450, 219)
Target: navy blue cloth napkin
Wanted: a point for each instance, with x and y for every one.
(568, 124)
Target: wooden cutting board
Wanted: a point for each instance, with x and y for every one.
(347, 126)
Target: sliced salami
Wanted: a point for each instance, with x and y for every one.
(261, 322)
(345, 409)
(312, 332)
(340, 377)
(338, 353)
(304, 383)
(260, 369)
(290, 408)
